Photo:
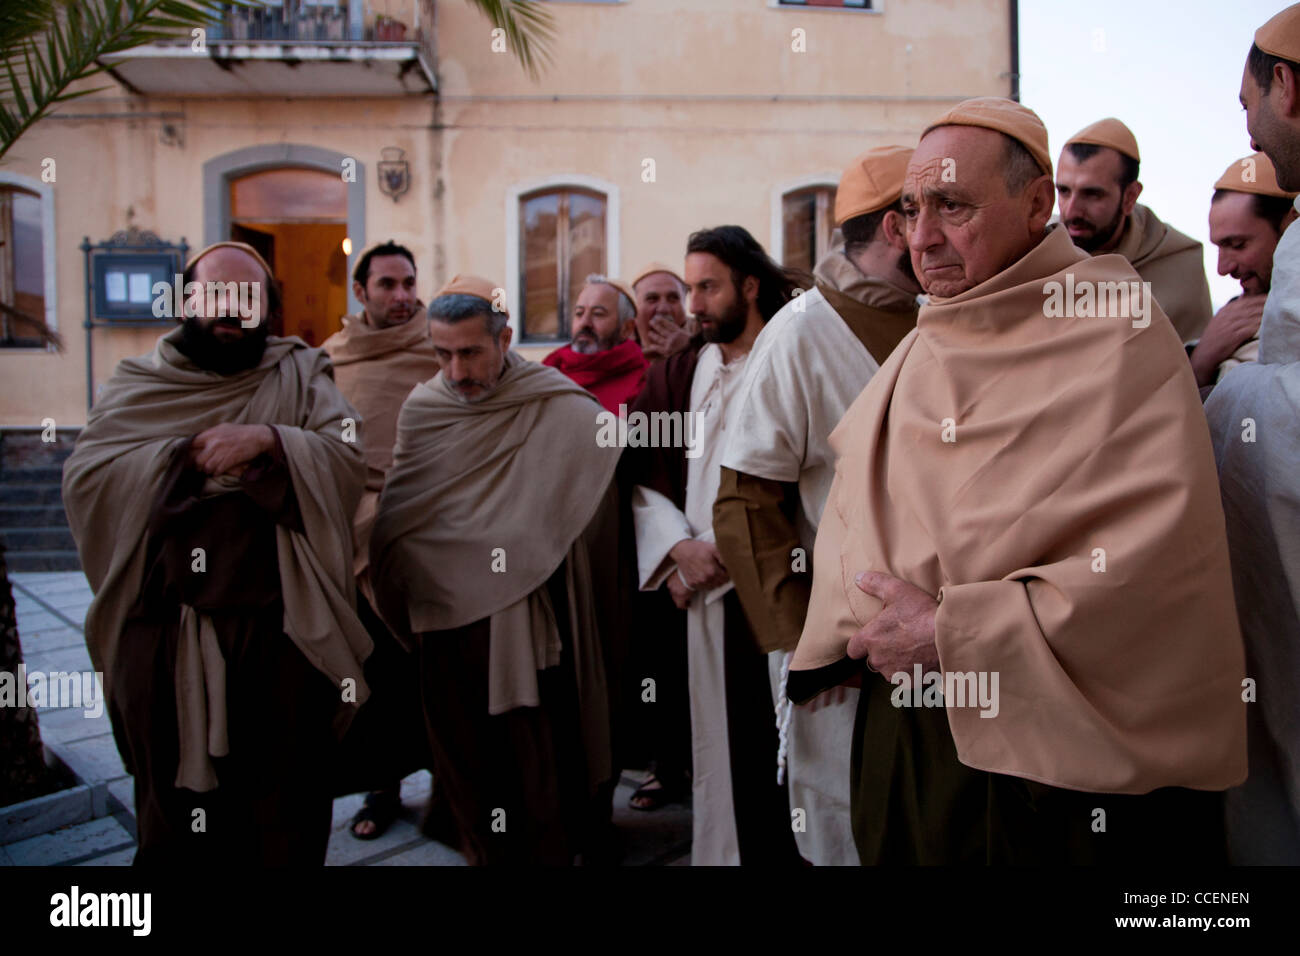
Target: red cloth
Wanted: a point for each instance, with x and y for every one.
(614, 376)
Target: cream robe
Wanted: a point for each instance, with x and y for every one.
(659, 526)
(1260, 483)
(803, 374)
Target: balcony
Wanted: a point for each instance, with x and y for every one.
(318, 48)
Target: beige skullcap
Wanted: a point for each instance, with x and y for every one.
(871, 182)
(1111, 133)
(476, 286)
(1005, 116)
(1281, 35)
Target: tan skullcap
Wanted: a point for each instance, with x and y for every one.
(651, 269)
(873, 181)
(1005, 116)
(1111, 133)
(1281, 35)
(476, 286)
(241, 246)
(1262, 177)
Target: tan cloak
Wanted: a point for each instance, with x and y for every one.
(1174, 265)
(509, 483)
(151, 404)
(375, 370)
(1075, 441)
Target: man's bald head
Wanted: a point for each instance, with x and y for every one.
(970, 211)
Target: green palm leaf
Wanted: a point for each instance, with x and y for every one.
(529, 29)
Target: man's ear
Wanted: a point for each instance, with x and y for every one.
(506, 335)
(1130, 197)
(629, 329)
(749, 289)
(1041, 195)
(893, 228)
(359, 292)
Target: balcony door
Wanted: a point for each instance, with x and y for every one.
(297, 219)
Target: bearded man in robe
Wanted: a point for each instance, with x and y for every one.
(211, 496)
(810, 363)
(1252, 413)
(380, 354)
(741, 814)
(604, 357)
(1248, 214)
(1023, 546)
(494, 560)
(1098, 188)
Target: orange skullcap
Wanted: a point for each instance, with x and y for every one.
(1111, 133)
(230, 244)
(1281, 35)
(872, 181)
(477, 286)
(622, 287)
(1005, 116)
(1253, 174)
(651, 269)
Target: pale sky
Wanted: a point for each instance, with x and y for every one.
(1171, 71)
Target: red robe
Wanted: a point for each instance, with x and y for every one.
(614, 376)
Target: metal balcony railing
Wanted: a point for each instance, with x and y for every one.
(320, 21)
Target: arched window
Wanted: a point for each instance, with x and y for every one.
(22, 267)
(564, 232)
(807, 221)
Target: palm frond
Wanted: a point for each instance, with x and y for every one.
(76, 34)
(529, 28)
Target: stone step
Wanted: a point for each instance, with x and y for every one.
(30, 495)
(18, 540)
(23, 448)
(32, 516)
(43, 560)
(32, 475)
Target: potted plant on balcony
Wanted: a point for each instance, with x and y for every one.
(389, 29)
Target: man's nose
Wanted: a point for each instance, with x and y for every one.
(923, 232)
(1227, 262)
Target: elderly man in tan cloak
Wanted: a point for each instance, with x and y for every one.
(211, 495)
(1023, 542)
(810, 363)
(380, 354)
(493, 558)
(1098, 188)
(1253, 414)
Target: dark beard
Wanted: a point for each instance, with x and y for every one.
(730, 324)
(208, 352)
(1102, 236)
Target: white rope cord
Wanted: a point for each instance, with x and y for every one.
(783, 711)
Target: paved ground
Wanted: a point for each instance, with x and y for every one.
(51, 608)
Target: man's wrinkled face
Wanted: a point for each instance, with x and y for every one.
(214, 334)
(658, 294)
(1268, 132)
(1090, 198)
(596, 326)
(718, 302)
(1246, 242)
(963, 227)
(472, 358)
(389, 293)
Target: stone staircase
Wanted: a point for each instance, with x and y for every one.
(33, 527)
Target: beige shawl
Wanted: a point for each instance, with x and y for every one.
(1077, 441)
(151, 404)
(1175, 267)
(376, 369)
(483, 503)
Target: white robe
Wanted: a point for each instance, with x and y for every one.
(804, 372)
(659, 526)
(1253, 414)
